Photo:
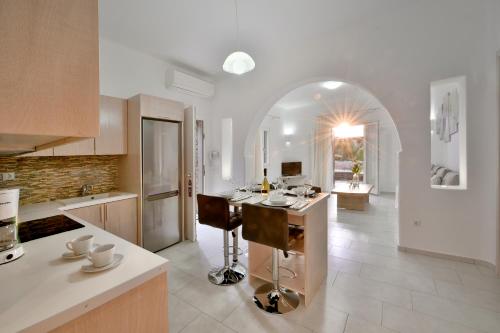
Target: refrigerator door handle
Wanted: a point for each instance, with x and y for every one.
(163, 195)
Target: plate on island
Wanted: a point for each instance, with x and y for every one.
(287, 203)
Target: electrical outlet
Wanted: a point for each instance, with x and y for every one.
(7, 176)
(417, 223)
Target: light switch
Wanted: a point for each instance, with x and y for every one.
(5, 176)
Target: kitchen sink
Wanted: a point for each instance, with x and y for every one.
(77, 200)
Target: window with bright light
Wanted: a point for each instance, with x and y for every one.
(344, 131)
(349, 147)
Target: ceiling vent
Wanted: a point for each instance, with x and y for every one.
(189, 84)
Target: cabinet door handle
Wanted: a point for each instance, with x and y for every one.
(101, 217)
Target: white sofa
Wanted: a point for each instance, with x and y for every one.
(443, 176)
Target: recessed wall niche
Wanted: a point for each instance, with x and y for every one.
(448, 117)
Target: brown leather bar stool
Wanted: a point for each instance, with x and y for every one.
(269, 226)
(214, 211)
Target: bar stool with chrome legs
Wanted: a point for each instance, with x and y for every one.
(269, 226)
(214, 211)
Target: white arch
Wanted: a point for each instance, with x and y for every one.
(276, 97)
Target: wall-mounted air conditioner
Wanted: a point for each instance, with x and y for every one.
(189, 84)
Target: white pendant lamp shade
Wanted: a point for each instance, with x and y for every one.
(238, 63)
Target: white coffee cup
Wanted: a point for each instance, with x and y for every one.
(102, 255)
(81, 245)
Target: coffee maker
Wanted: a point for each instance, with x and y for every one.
(9, 206)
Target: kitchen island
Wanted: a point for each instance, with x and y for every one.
(43, 292)
(308, 257)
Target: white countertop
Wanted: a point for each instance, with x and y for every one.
(40, 291)
(51, 208)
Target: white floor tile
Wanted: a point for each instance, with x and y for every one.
(319, 318)
(402, 263)
(401, 279)
(343, 265)
(206, 324)
(356, 325)
(177, 279)
(180, 314)
(385, 250)
(382, 291)
(364, 307)
(470, 316)
(487, 283)
(406, 321)
(487, 271)
(471, 296)
(216, 301)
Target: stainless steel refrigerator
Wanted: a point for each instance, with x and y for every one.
(161, 167)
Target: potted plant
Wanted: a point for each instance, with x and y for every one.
(356, 170)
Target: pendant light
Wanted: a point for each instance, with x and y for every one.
(238, 62)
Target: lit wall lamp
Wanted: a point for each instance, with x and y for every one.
(227, 148)
(288, 130)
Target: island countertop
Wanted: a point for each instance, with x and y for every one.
(41, 291)
(319, 198)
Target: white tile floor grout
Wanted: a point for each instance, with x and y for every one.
(371, 286)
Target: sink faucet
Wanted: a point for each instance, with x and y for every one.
(86, 189)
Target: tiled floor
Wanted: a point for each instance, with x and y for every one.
(371, 287)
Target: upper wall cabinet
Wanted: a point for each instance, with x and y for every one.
(113, 119)
(78, 148)
(113, 132)
(49, 70)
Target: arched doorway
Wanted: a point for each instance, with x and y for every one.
(287, 131)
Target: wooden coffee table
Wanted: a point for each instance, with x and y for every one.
(352, 198)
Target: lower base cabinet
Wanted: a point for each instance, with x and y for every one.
(117, 217)
(91, 214)
(121, 219)
(142, 309)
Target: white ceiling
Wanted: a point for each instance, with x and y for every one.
(199, 34)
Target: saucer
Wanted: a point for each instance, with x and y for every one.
(92, 269)
(71, 255)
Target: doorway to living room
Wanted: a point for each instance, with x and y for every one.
(325, 132)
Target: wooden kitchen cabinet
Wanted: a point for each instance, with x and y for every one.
(121, 219)
(113, 132)
(113, 124)
(78, 148)
(40, 153)
(117, 217)
(49, 70)
(92, 214)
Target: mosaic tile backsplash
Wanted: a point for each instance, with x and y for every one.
(50, 178)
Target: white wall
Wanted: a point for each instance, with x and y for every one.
(395, 54)
(124, 73)
(299, 149)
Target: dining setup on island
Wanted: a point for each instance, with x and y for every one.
(287, 233)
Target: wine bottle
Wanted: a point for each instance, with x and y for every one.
(265, 184)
